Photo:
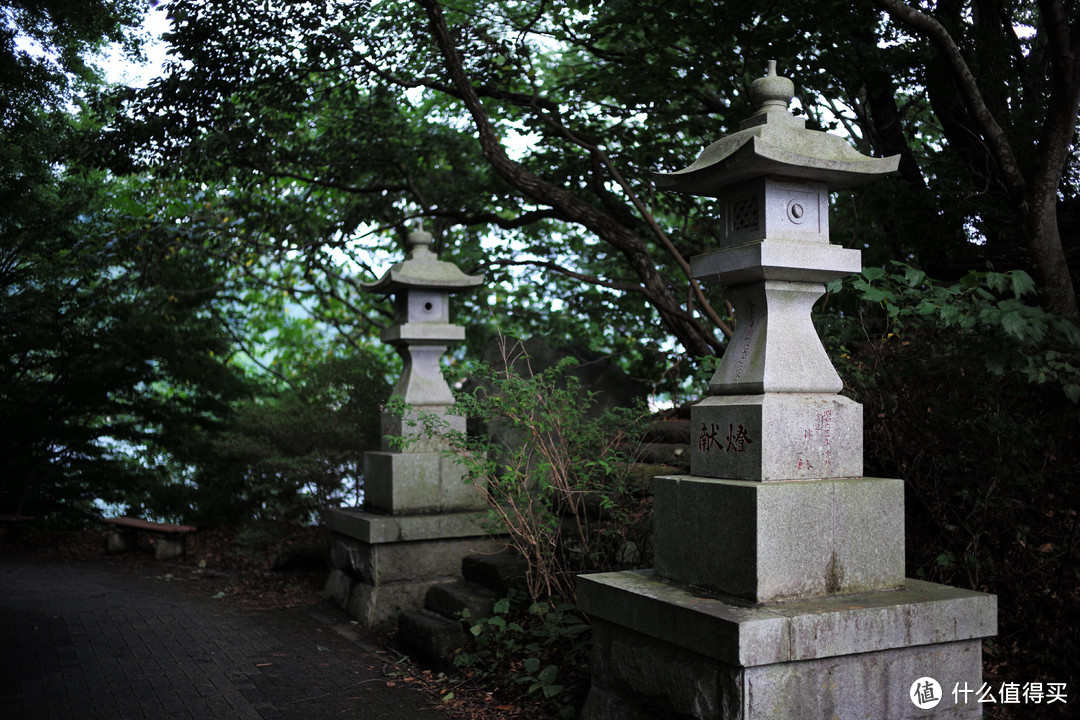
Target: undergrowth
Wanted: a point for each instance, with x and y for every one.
(536, 652)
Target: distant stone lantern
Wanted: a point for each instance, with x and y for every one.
(420, 517)
(421, 285)
(778, 586)
(421, 333)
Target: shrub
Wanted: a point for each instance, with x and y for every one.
(542, 647)
(969, 395)
(562, 495)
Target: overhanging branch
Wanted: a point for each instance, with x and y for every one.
(940, 38)
(562, 270)
(505, 223)
(696, 338)
(646, 214)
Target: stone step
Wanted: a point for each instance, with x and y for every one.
(450, 599)
(676, 455)
(430, 638)
(498, 571)
(668, 431)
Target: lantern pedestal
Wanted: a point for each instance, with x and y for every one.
(776, 437)
(662, 650)
(779, 541)
(420, 518)
(386, 563)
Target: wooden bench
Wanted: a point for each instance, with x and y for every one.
(170, 541)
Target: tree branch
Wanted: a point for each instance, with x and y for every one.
(1064, 97)
(351, 189)
(691, 334)
(649, 218)
(940, 38)
(591, 279)
(520, 221)
(514, 98)
(242, 345)
(555, 267)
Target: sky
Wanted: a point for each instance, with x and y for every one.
(121, 69)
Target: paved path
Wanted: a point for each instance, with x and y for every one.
(110, 640)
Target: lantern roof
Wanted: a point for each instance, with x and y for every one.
(773, 142)
(422, 270)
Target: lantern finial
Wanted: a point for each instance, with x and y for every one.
(419, 242)
(771, 93)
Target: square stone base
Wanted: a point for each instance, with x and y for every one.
(776, 437)
(766, 542)
(418, 482)
(386, 563)
(377, 605)
(661, 651)
(643, 678)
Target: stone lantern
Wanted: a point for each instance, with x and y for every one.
(778, 588)
(775, 388)
(420, 517)
(420, 478)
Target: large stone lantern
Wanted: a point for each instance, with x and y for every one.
(775, 383)
(775, 414)
(778, 589)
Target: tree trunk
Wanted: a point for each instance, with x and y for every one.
(1032, 187)
(1044, 243)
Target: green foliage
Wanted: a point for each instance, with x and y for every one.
(116, 347)
(1013, 336)
(349, 110)
(966, 395)
(542, 647)
(44, 46)
(556, 477)
(292, 451)
(158, 363)
(560, 488)
(115, 344)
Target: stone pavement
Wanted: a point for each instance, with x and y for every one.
(97, 638)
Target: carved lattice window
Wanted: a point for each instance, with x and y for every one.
(744, 214)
